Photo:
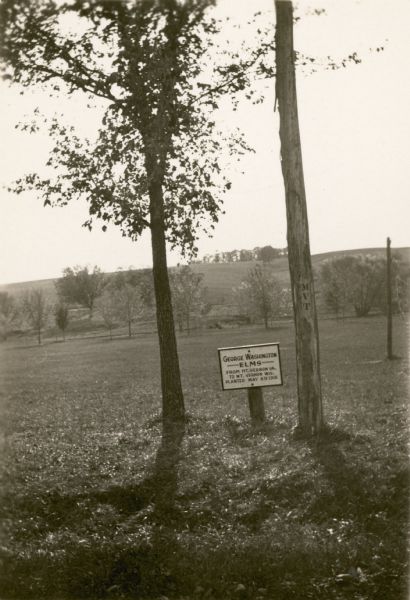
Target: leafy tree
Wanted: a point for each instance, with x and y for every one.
(246, 255)
(367, 278)
(400, 278)
(35, 309)
(61, 315)
(81, 286)
(286, 304)
(260, 295)
(154, 163)
(334, 285)
(267, 253)
(354, 280)
(402, 292)
(107, 305)
(144, 280)
(187, 295)
(8, 313)
(128, 297)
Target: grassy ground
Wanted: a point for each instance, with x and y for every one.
(95, 504)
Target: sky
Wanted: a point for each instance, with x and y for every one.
(355, 132)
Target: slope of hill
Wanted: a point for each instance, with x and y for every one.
(220, 278)
(19, 288)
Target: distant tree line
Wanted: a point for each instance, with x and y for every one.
(353, 284)
(358, 283)
(116, 299)
(264, 254)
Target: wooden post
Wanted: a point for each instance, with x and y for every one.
(307, 337)
(389, 302)
(256, 406)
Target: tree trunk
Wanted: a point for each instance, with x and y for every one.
(307, 336)
(172, 398)
(389, 302)
(129, 329)
(39, 335)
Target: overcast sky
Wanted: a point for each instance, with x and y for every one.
(355, 130)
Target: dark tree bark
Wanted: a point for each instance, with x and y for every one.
(389, 302)
(307, 336)
(172, 396)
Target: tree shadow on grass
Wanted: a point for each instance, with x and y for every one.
(158, 488)
(350, 496)
(373, 500)
(362, 486)
(115, 565)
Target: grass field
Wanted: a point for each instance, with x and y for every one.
(95, 505)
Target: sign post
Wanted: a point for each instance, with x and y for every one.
(251, 367)
(256, 405)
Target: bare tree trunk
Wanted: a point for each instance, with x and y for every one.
(389, 302)
(307, 337)
(172, 398)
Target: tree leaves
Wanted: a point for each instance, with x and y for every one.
(81, 286)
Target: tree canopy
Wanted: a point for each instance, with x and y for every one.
(35, 309)
(358, 281)
(144, 61)
(187, 295)
(80, 285)
(260, 294)
(8, 313)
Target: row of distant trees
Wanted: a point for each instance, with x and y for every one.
(351, 284)
(120, 299)
(263, 253)
(129, 296)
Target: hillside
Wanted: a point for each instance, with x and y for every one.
(219, 278)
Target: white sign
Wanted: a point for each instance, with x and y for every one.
(250, 366)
